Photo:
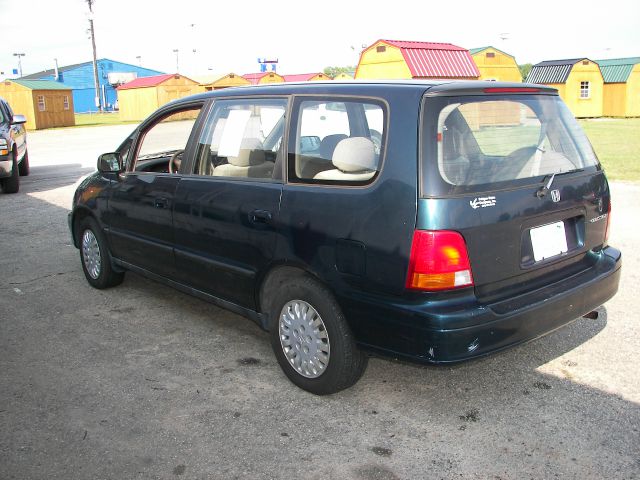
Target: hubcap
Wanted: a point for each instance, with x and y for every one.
(91, 254)
(304, 338)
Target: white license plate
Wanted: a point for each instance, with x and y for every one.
(548, 241)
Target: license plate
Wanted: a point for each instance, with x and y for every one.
(548, 241)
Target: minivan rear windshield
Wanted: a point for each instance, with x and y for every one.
(485, 143)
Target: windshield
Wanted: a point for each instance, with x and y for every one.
(488, 142)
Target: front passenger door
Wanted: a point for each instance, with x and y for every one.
(142, 199)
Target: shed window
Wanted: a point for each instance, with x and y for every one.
(381, 49)
(584, 90)
(66, 102)
(491, 54)
(41, 104)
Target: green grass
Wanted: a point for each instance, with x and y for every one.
(89, 119)
(617, 144)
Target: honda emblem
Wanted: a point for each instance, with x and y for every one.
(555, 195)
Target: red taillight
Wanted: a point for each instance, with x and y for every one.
(511, 90)
(438, 261)
(606, 229)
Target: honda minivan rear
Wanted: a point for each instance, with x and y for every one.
(512, 222)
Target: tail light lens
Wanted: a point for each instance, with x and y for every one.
(606, 230)
(438, 261)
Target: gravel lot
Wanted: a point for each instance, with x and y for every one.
(141, 381)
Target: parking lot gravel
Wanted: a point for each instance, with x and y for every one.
(141, 381)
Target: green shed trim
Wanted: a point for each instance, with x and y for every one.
(473, 51)
(41, 84)
(617, 70)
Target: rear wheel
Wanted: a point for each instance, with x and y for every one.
(24, 165)
(11, 184)
(311, 339)
(95, 256)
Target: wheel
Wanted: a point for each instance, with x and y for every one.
(12, 184)
(175, 161)
(24, 165)
(311, 339)
(95, 256)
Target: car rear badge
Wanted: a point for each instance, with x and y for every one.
(483, 202)
(555, 195)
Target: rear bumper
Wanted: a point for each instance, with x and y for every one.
(446, 331)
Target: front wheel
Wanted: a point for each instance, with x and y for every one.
(11, 184)
(311, 339)
(95, 256)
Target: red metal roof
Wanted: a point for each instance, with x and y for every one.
(300, 77)
(436, 60)
(146, 81)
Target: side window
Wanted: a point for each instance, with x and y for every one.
(242, 139)
(336, 141)
(163, 143)
(2, 114)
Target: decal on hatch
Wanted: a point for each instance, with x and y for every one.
(483, 202)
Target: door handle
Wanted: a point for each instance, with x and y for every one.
(260, 216)
(161, 202)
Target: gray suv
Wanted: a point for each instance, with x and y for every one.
(14, 159)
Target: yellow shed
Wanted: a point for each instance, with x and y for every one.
(306, 77)
(621, 87)
(141, 97)
(401, 59)
(343, 76)
(496, 65)
(45, 103)
(579, 83)
(216, 82)
(263, 77)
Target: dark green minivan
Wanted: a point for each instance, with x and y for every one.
(432, 221)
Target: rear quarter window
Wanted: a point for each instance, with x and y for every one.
(489, 143)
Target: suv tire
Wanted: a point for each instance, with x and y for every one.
(307, 324)
(95, 256)
(12, 184)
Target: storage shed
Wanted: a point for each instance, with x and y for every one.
(306, 77)
(141, 97)
(621, 87)
(79, 77)
(344, 76)
(579, 83)
(400, 59)
(216, 82)
(263, 77)
(45, 103)
(496, 65)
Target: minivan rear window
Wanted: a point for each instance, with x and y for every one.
(487, 143)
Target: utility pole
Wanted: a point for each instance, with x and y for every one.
(96, 82)
(19, 55)
(175, 50)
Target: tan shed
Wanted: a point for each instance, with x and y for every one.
(306, 77)
(216, 82)
(141, 97)
(263, 77)
(45, 103)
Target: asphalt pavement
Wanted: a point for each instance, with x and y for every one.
(141, 381)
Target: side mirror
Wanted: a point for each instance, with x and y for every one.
(109, 163)
(18, 119)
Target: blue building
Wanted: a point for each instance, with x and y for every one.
(79, 78)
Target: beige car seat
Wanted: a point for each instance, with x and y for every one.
(250, 162)
(355, 159)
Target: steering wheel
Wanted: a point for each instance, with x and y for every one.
(175, 161)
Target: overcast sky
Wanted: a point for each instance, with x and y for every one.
(305, 36)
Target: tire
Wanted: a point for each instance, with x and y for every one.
(95, 256)
(338, 363)
(12, 184)
(24, 165)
